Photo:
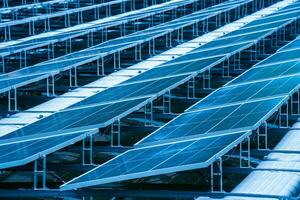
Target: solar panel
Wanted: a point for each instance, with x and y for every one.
(162, 159)
(84, 118)
(292, 45)
(20, 153)
(251, 91)
(147, 88)
(230, 109)
(268, 72)
(176, 69)
(228, 118)
(282, 56)
(97, 115)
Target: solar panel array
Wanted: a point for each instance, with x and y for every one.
(123, 99)
(115, 103)
(195, 139)
(83, 29)
(220, 121)
(43, 70)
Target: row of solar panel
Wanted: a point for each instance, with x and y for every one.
(83, 29)
(25, 135)
(28, 152)
(271, 83)
(220, 120)
(123, 92)
(91, 54)
(62, 13)
(155, 160)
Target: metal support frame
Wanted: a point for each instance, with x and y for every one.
(73, 77)
(205, 26)
(138, 52)
(152, 47)
(132, 5)
(47, 26)
(216, 172)
(295, 103)
(253, 53)
(3, 64)
(50, 86)
(167, 103)
(7, 33)
(108, 10)
(237, 61)
(148, 110)
(23, 56)
(262, 47)
(100, 67)
(5, 3)
(191, 86)
(117, 60)
(68, 46)
(31, 28)
(115, 130)
(88, 150)
(122, 29)
(282, 34)
(12, 100)
(51, 51)
(274, 39)
(206, 79)
(226, 68)
(67, 20)
(38, 172)
(262, 136)
(245, 161)
(196, 29)
(169, 40)
(283, 114)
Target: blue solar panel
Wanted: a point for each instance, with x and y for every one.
(251, 91)
(280, 57)
(20, 153)
(163, 159)
(83, 118)
(148, 88)
(195, 123)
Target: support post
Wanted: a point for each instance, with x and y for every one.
(12, 100)
(87, 149)
(284, 116)
(245, 153)
(191, 88)
(50, 86)
(295, 103)
(206, 79)
(167, 103)
(148, 110)
(100, 67)
(226, 68)
(115, 130)
(216, 172)
(37, 172)
(262, 136)
(73, 77)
